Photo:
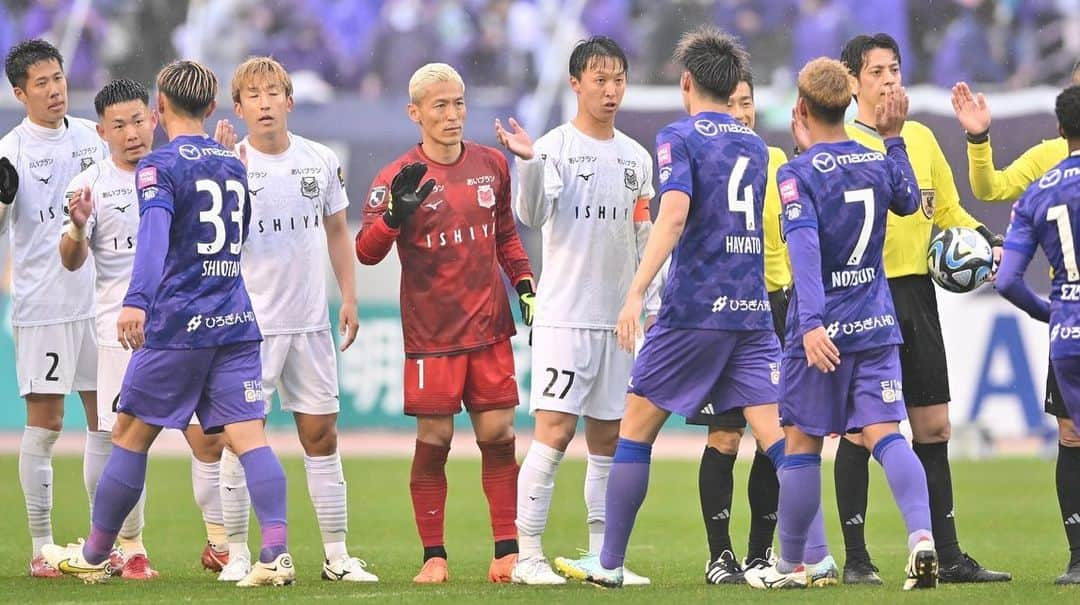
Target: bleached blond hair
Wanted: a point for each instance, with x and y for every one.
(429, 74)
(260, 67)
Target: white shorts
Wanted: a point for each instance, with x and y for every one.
(579, 371)
(303, 369)
(56, 359)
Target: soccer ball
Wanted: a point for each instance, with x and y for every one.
(960, 259)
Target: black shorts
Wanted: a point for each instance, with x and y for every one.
(734, 419)
(1054, 403)
(923, 367)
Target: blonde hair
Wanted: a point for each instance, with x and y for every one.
(189, 85)
(255, 67)
(827, 86)
(429, 74)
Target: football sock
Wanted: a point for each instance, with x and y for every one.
(1068, 492)
(131, 531)
(235, 504)
(763, 490)
(800, 504)
(817, 545)
(95, 455)
(715, 486)
(906, 480)
(851, 472)
(119, 489)
(935, 461)
(266, 483)
(536, 482)
(597, 472)
(36, 478)
(427, 486)
(499, 476)
(326, 486)
(206, 485)
(627, 485)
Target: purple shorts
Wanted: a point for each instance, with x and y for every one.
(680, 370)
(164, 387)
(865, 389)
(1067, 372)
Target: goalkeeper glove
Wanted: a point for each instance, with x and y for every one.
(996, 241)
(9, 181)
(527, 300)
(405, 198)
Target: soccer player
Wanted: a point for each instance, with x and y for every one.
(52, 309)
(991, 185)
(841, 370)
(713, 338)
(1046, 217)
(102, 218)
(453, 234)
(875, 63)
(188, 317)
(587, 186)
(298, 204)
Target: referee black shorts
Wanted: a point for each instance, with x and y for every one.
(1054, 404)
(922, 356)
(734, 419)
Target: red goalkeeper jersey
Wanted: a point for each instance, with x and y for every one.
(451, 250)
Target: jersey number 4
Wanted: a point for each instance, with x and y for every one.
(741, 199)
(213, 215)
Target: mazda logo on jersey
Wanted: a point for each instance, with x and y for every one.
(309, 187)
(630, 179)
(485, 196)
(189, 152)
(824, 162)
(377, 197)
(707, 128)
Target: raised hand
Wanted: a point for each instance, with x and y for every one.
(516, 139)
(225, 134)
(80, 206)
(972, 110)
(799, 132)
(405, 198)
(890, 114)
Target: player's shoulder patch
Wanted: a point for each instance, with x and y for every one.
(789, 190)
(147, 177)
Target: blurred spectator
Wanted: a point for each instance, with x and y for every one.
(965, 53)
(821, 30)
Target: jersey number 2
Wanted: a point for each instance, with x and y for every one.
(213, 215)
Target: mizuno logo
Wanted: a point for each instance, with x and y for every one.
(46, 179)
(122, 208)
(433, 512)
(434, 205)
(256, 191)
(533, 498)
(586, 177)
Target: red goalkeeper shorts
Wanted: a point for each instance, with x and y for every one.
(483, 379)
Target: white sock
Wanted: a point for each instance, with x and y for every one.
(536, 482)
(326, 486)
(95, 455)
(235, 504)
(130, 535)
(36, 477)
(205, 482)
(596, 476)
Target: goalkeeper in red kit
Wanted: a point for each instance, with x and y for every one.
(453, 234)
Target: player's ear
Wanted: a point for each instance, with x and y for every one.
(686, 82)
(414, 112)
(575, 85)
(100, 130)
(20, 94)
(153, 118)
(289, 103)
(210, 109)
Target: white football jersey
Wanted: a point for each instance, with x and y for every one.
(111, 231)
(43, 291)
(589, 198)
(284, 259)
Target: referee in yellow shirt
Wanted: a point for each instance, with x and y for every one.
(992, 185)
(875, 63)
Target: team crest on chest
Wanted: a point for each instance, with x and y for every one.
(929, 202)
(630, 179)
(485, 196)
(309, 187)
(85, 163)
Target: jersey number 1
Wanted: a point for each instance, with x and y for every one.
(213, 215)
(1060, 215)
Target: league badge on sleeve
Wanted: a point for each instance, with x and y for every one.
(485, 196)
(341, 176)
(377, 197)
(147, 177)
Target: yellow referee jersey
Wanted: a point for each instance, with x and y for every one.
(777, 263)
(990, 185)
(908, 237)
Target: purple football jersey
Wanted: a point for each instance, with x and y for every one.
(1048, 216)
(717, 275)
(844, 192)
(202, 301)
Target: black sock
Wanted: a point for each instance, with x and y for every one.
(430, 552)
(763, 491)
(1068, 492)
(935, 460)
(852, 475)
(715, 485)
(505, 547)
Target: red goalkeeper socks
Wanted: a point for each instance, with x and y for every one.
(499, 476)
(427, 485)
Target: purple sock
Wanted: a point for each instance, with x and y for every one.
(118, 491)
(627, 484)
(907, 480)
(800, 503)
(817, 545)
(266, 484)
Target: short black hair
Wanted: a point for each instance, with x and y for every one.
(121, 90)
(27, 53)
(716, 61)
(596, 48)
(748, 77)
(1067, 109)
(856, 48)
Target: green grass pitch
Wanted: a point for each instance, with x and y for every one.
(1007, 513)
